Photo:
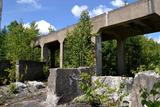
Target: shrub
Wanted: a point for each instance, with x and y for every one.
(142, 68)
(12, 72)
(154, 93)
(46, 70)
(92, 95)
(11, 88)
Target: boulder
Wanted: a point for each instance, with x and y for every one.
(123, 84)
(20, 87)
(36, 84)
(142, 80)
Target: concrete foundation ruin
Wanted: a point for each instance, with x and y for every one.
(63, 86)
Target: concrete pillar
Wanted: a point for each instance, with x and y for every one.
(61, 54)
(17, 71)
(98, 55)
(121, 56)
(44, 53)
(42, 46)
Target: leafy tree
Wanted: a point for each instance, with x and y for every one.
(18, 42)
(109, 57)
(134, 53)
(17, 45)
(139, 51)
(2, 37)
(78, 45)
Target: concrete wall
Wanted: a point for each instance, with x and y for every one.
(63, 84)
(29, 70)
(4, 65)
(25, 70)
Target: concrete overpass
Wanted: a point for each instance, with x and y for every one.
(134, 19)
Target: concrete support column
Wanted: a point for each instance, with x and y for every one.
(61, 54)
(44, 53)
(121, 56)
(42, 46)
(17, 71)
(98, 55)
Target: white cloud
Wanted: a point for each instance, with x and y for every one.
(157, 39)
(34, 3)
(26, 25)
(118, 3)
(43, 26)
(99, 10)
(77, 10)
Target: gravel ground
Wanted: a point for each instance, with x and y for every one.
(29, 95)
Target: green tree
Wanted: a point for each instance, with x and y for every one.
(109, 57)
(78, 45)
(17, 42)
(17, 45)
(2, 37)
(139, 50)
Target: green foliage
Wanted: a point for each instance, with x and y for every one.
(12, 72)
(2, 37)
(11, 88)
(154, 93)
(46, 70)
(142, 68)
(141, 54)
(85, 83)
(109, 55)
(17, 42)
(92, 96)
(78, 46)
(2, 101)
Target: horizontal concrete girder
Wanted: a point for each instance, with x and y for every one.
(138, 18)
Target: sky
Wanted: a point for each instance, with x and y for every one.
(57, 14)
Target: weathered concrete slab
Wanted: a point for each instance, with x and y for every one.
(63, 85)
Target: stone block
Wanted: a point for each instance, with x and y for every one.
(142, 80)
(63, 84)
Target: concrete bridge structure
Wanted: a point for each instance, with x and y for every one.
(138, 18)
